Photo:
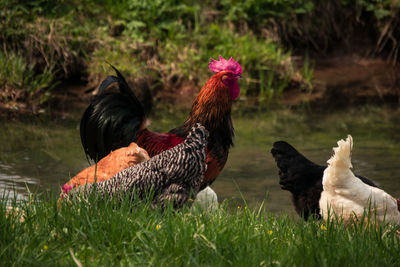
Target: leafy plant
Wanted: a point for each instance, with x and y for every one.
(21, 81)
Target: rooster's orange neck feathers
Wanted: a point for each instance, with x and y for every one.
(212, 103)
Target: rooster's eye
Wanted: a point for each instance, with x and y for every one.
(226, 77)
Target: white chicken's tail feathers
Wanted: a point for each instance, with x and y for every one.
(342, 156)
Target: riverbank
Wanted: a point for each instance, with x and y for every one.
(337, 82)
(346, 80)
(52, 50)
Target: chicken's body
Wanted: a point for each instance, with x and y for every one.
(171, 175)
(302, 178)
(114, 120)
(108, 166)
(346, 196)
(206, 199)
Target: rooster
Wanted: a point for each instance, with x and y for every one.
(173, 175)
(115, 119)
(347, 197)
(302, 178)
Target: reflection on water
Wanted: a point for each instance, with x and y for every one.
(37, 156)
(44, 155)
(12, 184)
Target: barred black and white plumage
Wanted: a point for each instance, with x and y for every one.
(170, 176)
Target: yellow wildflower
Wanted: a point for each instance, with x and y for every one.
(270, 232)
(323, 227)
(45, 247)
(158, 227)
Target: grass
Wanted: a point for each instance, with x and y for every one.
(105, 233)
(22, 82)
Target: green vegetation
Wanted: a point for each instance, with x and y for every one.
(21, 81)
(113, 232)
(170, 42)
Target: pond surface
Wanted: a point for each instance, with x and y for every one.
(39, 155)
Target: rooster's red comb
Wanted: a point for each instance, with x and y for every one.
(223, 64)
(66, 188)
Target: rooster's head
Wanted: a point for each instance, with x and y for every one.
(229, 72)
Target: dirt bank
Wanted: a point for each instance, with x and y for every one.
(338, 81)
(349, 79)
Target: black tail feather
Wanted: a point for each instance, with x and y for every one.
(106, 83)
(82, 127)
(112, 119)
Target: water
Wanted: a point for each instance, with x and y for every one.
(42, 155)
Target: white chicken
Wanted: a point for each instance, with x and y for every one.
(349, 198)
(206, 199)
